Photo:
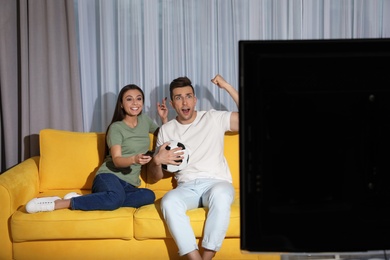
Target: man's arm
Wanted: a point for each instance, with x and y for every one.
(155, 169)
(223, 84)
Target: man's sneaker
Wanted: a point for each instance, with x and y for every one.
(71, 195)
(41, 204)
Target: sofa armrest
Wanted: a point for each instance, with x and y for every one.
(18, 185)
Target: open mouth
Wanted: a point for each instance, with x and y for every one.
(186, 111)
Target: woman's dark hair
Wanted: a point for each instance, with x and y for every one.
(179, 83)
(119, 112)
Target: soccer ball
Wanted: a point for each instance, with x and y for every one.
(176, 168)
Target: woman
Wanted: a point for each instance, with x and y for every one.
(116, 181)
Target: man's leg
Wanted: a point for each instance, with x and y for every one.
(218, 198)
(174, 205)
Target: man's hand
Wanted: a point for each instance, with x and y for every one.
(162, 110)
(220, 81)
(171, 156)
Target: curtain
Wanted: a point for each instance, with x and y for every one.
(8, 84)
(39, 74)
(62, 63)
(149, 43)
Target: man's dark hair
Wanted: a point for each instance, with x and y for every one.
(179, 83)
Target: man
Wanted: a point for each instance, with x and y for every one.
(206, 181)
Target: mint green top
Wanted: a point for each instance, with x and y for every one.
(133, 141)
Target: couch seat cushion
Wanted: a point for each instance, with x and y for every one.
(72, 224)
(149, 223)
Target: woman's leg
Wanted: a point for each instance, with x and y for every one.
(137, 197)
(107, 194)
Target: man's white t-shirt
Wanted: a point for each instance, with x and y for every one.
(205, 140)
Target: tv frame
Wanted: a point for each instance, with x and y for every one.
(268, 68)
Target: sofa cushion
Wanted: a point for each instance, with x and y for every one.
(69, 160)
(72, 224)
(167, 183)
(232, 155)
(149, 224)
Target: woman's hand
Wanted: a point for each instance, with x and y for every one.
(142, 158)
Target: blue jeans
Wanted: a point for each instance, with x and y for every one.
(216, 195)
(109, 193)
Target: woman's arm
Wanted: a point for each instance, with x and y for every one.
(124, 162)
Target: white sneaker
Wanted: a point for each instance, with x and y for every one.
(71, 195)
(41, 204)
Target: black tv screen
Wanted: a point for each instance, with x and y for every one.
(315, 146)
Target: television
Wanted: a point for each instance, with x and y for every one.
(315, 147)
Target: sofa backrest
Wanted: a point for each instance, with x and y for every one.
(69, 160)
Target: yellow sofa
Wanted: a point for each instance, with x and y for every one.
(67, 162)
